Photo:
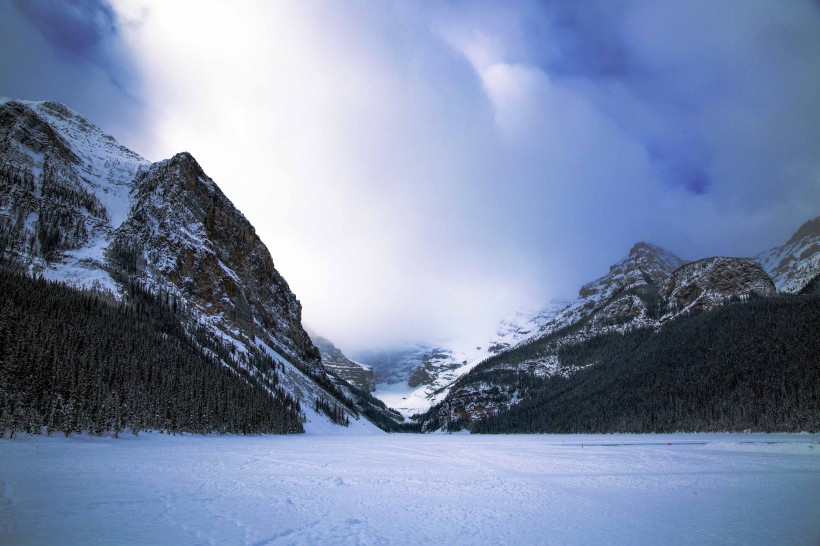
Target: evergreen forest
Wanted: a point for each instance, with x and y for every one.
(78, 361)
(744, 366)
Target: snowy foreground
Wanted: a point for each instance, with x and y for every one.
(402, 489)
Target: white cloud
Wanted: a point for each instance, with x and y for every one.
(418, 170)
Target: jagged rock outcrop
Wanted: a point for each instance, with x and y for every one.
(183, 230)
(335, 361)
(795, 264)
(707, 283)
(645, 265)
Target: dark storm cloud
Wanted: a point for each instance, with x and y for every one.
(673, 75)
(72, 52)
(593, 51)
(83, 31)
(588, 41)
(73, 27)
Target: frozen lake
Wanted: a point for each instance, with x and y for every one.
(402, 489)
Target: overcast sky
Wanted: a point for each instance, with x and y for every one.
(418, 170)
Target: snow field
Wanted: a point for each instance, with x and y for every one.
(410, 489)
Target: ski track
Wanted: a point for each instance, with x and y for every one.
(410, 489)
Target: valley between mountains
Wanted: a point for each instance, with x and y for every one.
(137, 297)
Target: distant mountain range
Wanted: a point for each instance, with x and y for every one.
(157, 254)
(647, 289)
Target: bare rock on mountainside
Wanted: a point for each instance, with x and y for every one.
(183, 230)
(707, 283)
(645, 265)
(335, 361)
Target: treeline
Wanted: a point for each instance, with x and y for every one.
(743, 366)
(74, 361)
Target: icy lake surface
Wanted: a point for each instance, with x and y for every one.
(402, 489)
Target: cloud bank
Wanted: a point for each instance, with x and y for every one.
(418, 170)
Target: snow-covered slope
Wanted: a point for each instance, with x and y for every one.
(523, 325)
(416, 377)
(78, 207)
(793, 265)
(65, 188)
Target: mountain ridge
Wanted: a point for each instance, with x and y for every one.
(633, 301)
(611, 302)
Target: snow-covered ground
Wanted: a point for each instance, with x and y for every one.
(403, 489)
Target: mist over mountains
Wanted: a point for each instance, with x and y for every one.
(162, 245)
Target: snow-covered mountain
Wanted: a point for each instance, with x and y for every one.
(647, 289)
(65, 189)
(645, 265)
(335, 362)
(78, 207)
(415, 379)
(793, 265)
(523, 325)
(411, 379)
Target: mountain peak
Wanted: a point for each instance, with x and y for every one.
(184, 157)
(640, 246)
(809, 229)
(645, 261)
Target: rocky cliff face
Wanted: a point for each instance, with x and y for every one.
(334, 361)
(182, 230)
